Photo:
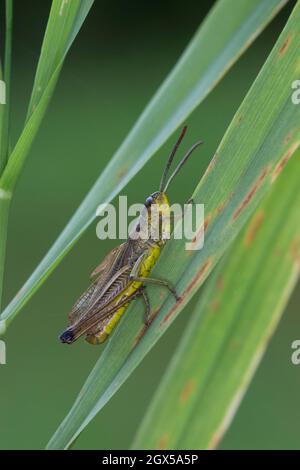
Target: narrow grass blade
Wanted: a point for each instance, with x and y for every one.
(201, 66)
(230, 327)
(64, 23)
(261, 139)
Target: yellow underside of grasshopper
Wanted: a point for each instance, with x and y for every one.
(145, 269)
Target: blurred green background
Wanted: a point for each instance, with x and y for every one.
(122, 54)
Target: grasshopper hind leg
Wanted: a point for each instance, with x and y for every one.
(135, 276)
(144, 295)
(157, 282)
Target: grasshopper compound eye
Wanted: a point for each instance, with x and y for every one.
(149, 201)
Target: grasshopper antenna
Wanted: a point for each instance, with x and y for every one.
(180, 164)
(170, 159)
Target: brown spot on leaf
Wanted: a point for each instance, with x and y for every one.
(161, 295)
(199, 234)
(170, 313)
(235, 344)
(202, 228)
(288, 137)
(239, 118)
(122, 172)
(220, 283)
(211, 165)
(143, 330)
(187, 391)
(245, 202)
(295, 251)
(19, 293)
(208, 219)
(255, 225)
(284, 160)
(222, 205)
(200, 275)
(215, 440)
(285, 45)
(215, 305)
(163, 442)
(277, 251)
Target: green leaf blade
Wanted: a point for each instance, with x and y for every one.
(230, 327)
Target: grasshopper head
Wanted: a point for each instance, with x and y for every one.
(157, 205)
(160, 199)
(158, 208)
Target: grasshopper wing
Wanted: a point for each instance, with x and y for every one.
(105, 294)
(97, 304)
(100, 274)
(108, 261)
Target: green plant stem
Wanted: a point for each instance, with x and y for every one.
(5, 197)
(4, 211)
(7, 80)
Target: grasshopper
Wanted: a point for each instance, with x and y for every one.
(124, 273)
